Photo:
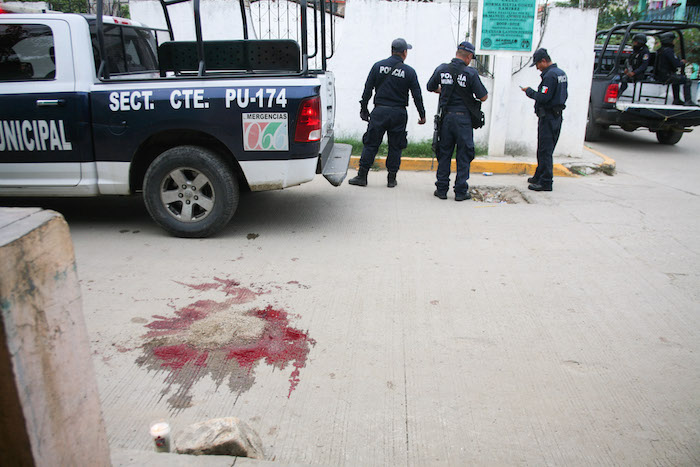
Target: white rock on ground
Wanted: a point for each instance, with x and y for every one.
(220, 436)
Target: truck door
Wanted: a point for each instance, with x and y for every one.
(44, 123)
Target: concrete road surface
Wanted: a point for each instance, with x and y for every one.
(376, 326)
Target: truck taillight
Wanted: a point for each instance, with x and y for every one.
(309, 121)
(611, 93)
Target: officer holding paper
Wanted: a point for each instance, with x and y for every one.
(550, 99)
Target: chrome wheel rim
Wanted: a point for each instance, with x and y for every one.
(187, 194)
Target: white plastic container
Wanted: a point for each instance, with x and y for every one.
(160, 432)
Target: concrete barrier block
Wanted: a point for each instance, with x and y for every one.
(49, 405)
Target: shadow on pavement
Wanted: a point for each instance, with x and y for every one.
(290, 209)
(641, 139)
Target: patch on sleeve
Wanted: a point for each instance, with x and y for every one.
(645, 57)
(545, 89)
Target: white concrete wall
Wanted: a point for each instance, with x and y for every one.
(368, 29)
(370, 26)
(568, 37)
(221, 19)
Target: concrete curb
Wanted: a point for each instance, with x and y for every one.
(497, 167)
(608, 166)
(477, 166)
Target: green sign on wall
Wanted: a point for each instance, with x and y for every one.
(507, 24)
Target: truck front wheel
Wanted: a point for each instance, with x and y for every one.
(190, 191)
(669, 136)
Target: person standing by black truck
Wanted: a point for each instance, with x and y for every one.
(550, 102)
(390, 79)
(457, 83)
(638, 62)
(667, 65)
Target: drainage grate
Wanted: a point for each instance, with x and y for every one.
(498, 195)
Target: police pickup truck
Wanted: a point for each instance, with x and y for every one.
(648, 101)
(93, 106)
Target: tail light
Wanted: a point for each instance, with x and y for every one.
(611, 93)
(309, 121)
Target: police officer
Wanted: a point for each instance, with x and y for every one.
(638, 62)
(666, 66)
(550, 99)
(456, 126)
(391, 79)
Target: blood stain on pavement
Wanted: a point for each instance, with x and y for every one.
(216, 338)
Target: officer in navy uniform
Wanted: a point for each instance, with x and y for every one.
(638, 62)
(667, 65)
(550, 99)
(456, 129)
(390, 79)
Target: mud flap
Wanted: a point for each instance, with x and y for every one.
(336, 167)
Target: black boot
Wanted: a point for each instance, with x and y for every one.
(391, 180)
(540, 186)
(361, 178)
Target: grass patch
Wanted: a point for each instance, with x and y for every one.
(417, 149)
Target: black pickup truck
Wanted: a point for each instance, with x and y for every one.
(646, 103)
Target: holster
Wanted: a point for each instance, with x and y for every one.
(437, 126)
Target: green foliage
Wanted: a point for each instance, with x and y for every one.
(70, 6)
(691, 37)
(417, 149)
(115, 8)
(610, 12)
(607, 18)
(124, 10)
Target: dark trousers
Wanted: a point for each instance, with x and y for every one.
(389, 120)
(456, 131)
(548, 129)
(624, 80)
(676, 81)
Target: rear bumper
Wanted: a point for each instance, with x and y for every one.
(658, 117)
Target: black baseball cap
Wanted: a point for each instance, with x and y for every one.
(539, 55)
(467, 46)
(399, 45)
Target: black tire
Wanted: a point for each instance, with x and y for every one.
(669, 136)
(190, 192)
(593, 130)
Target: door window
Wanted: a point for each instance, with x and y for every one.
(128, 50)
(26, 52)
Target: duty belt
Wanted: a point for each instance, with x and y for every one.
(541, 112)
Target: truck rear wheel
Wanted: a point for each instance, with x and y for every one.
(669, 136)
(592, 129)
(190, 191)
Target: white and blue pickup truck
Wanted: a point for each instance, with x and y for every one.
(94, 105)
